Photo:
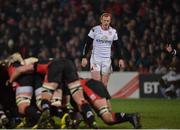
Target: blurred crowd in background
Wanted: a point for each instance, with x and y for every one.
(58, 28)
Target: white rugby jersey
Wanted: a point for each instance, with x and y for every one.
(102, 41)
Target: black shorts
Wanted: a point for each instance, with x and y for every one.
(62, 70)
(97, 88)
(25, 80)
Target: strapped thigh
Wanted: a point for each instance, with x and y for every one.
(103, 110)
(24, 94)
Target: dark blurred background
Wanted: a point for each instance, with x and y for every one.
(58, 28)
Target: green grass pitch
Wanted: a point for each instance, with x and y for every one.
(156, 113)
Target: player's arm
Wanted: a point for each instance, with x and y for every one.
(87, 47)
(19, 71)
(118, 46)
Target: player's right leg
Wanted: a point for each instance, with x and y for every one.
(43, 101)
(83, 105)
(74, 85)
(56, 108)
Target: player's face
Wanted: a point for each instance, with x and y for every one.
(105, 21)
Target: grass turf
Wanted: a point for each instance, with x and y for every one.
(156, 113)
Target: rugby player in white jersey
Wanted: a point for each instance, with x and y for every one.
(101, 37)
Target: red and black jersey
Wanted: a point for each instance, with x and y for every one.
(22, 80)
(42, 66)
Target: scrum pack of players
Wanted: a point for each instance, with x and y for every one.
(43, 89)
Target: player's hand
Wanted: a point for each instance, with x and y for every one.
(121, 64)
(169, 48)
(84, 62)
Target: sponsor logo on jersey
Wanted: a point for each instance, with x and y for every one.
(104, 39)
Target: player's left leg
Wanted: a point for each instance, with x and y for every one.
(112, 118)
(106, 70)
(23, 100)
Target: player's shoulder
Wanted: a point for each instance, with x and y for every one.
(95, 28)
(112, 29)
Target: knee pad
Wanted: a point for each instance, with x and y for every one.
(24, 94)
(103, 110)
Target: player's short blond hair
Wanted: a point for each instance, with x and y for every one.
(106, 15)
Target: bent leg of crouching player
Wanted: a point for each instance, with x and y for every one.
(57, 108)
(72, 79)
(98, 95)
(43, 100)
(44, 95)
(83, 106)
(112, 118)
(23, 101)
(56, 103)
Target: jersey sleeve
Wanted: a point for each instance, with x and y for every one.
(115, 36)
(11, 70)
(42, 68)
(91, 34)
